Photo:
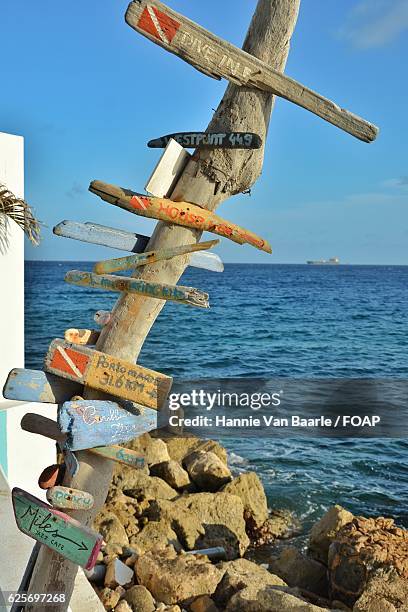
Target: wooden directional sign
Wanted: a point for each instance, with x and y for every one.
(219, 59)
(90, 423)
(160, 291)
(106, 373)
(210, 140)
(56, 530)
(180, 213)
(69, 499)
(126, 456)
(81, 336)
(100, 234)
(168, 170)
(133, 261)
(126, 241)
(38, 386)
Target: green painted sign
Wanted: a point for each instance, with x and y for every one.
(55, 529)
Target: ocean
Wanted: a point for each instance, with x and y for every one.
(295, 321)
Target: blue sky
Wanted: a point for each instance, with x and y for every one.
(87, 92)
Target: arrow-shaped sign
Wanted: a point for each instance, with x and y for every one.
(55, 529)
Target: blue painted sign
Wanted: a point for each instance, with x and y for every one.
(127, 241)
(92, 423)
(37, 386)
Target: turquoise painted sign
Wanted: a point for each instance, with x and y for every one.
(55, 529)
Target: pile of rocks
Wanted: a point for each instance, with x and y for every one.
(155, 520)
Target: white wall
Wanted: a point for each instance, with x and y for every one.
(27, 454)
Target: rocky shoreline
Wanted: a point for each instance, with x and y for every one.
(156, 520)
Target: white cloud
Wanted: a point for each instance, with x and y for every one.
(375, 23)
(397, 183)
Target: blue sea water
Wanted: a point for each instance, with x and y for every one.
(270, 320)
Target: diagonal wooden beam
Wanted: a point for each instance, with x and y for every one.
(219, 59)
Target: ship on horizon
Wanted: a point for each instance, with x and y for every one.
(333, 261)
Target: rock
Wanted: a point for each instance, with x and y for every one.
(156, 535)
(324, 531)
(113, 549)
(109, 598)
(206, 470)
(139, 599)
(117, 573)
(171, 578)
(269, 599)
(172, 473)
(137, 485)
(204, 520)
(180, 446)
(153, 450)
(112, 530)
(339, 605)
(280, 524)
(386, 591)
(203, 604)
(361, 547)
(249, 489)
(186, 524)
(239, 575)
(123, 606)
(300, 571)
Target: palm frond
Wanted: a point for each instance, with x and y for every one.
(21, 212)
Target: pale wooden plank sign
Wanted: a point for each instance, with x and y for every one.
(56, 530)
(219, 59)
(126, 241)
(103, 235)
(26, 385)
(168, 170)
(160, 291)
(106, 373)
(69, 499)
(210, 140)
(90, 423)
(125, 456)
(133, 261)
(179, 213)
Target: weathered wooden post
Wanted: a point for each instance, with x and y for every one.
(208, 180)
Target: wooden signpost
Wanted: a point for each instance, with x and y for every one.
(38, 386)
(110, 282)
(133, 261)
(106, 373)
(126, 241)
(220, 59)
(69, 499)
(179, 213)
(81, 336)
(90, 423)
(207, 179)
(126, 456)
(225, 140)
(55, 529)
